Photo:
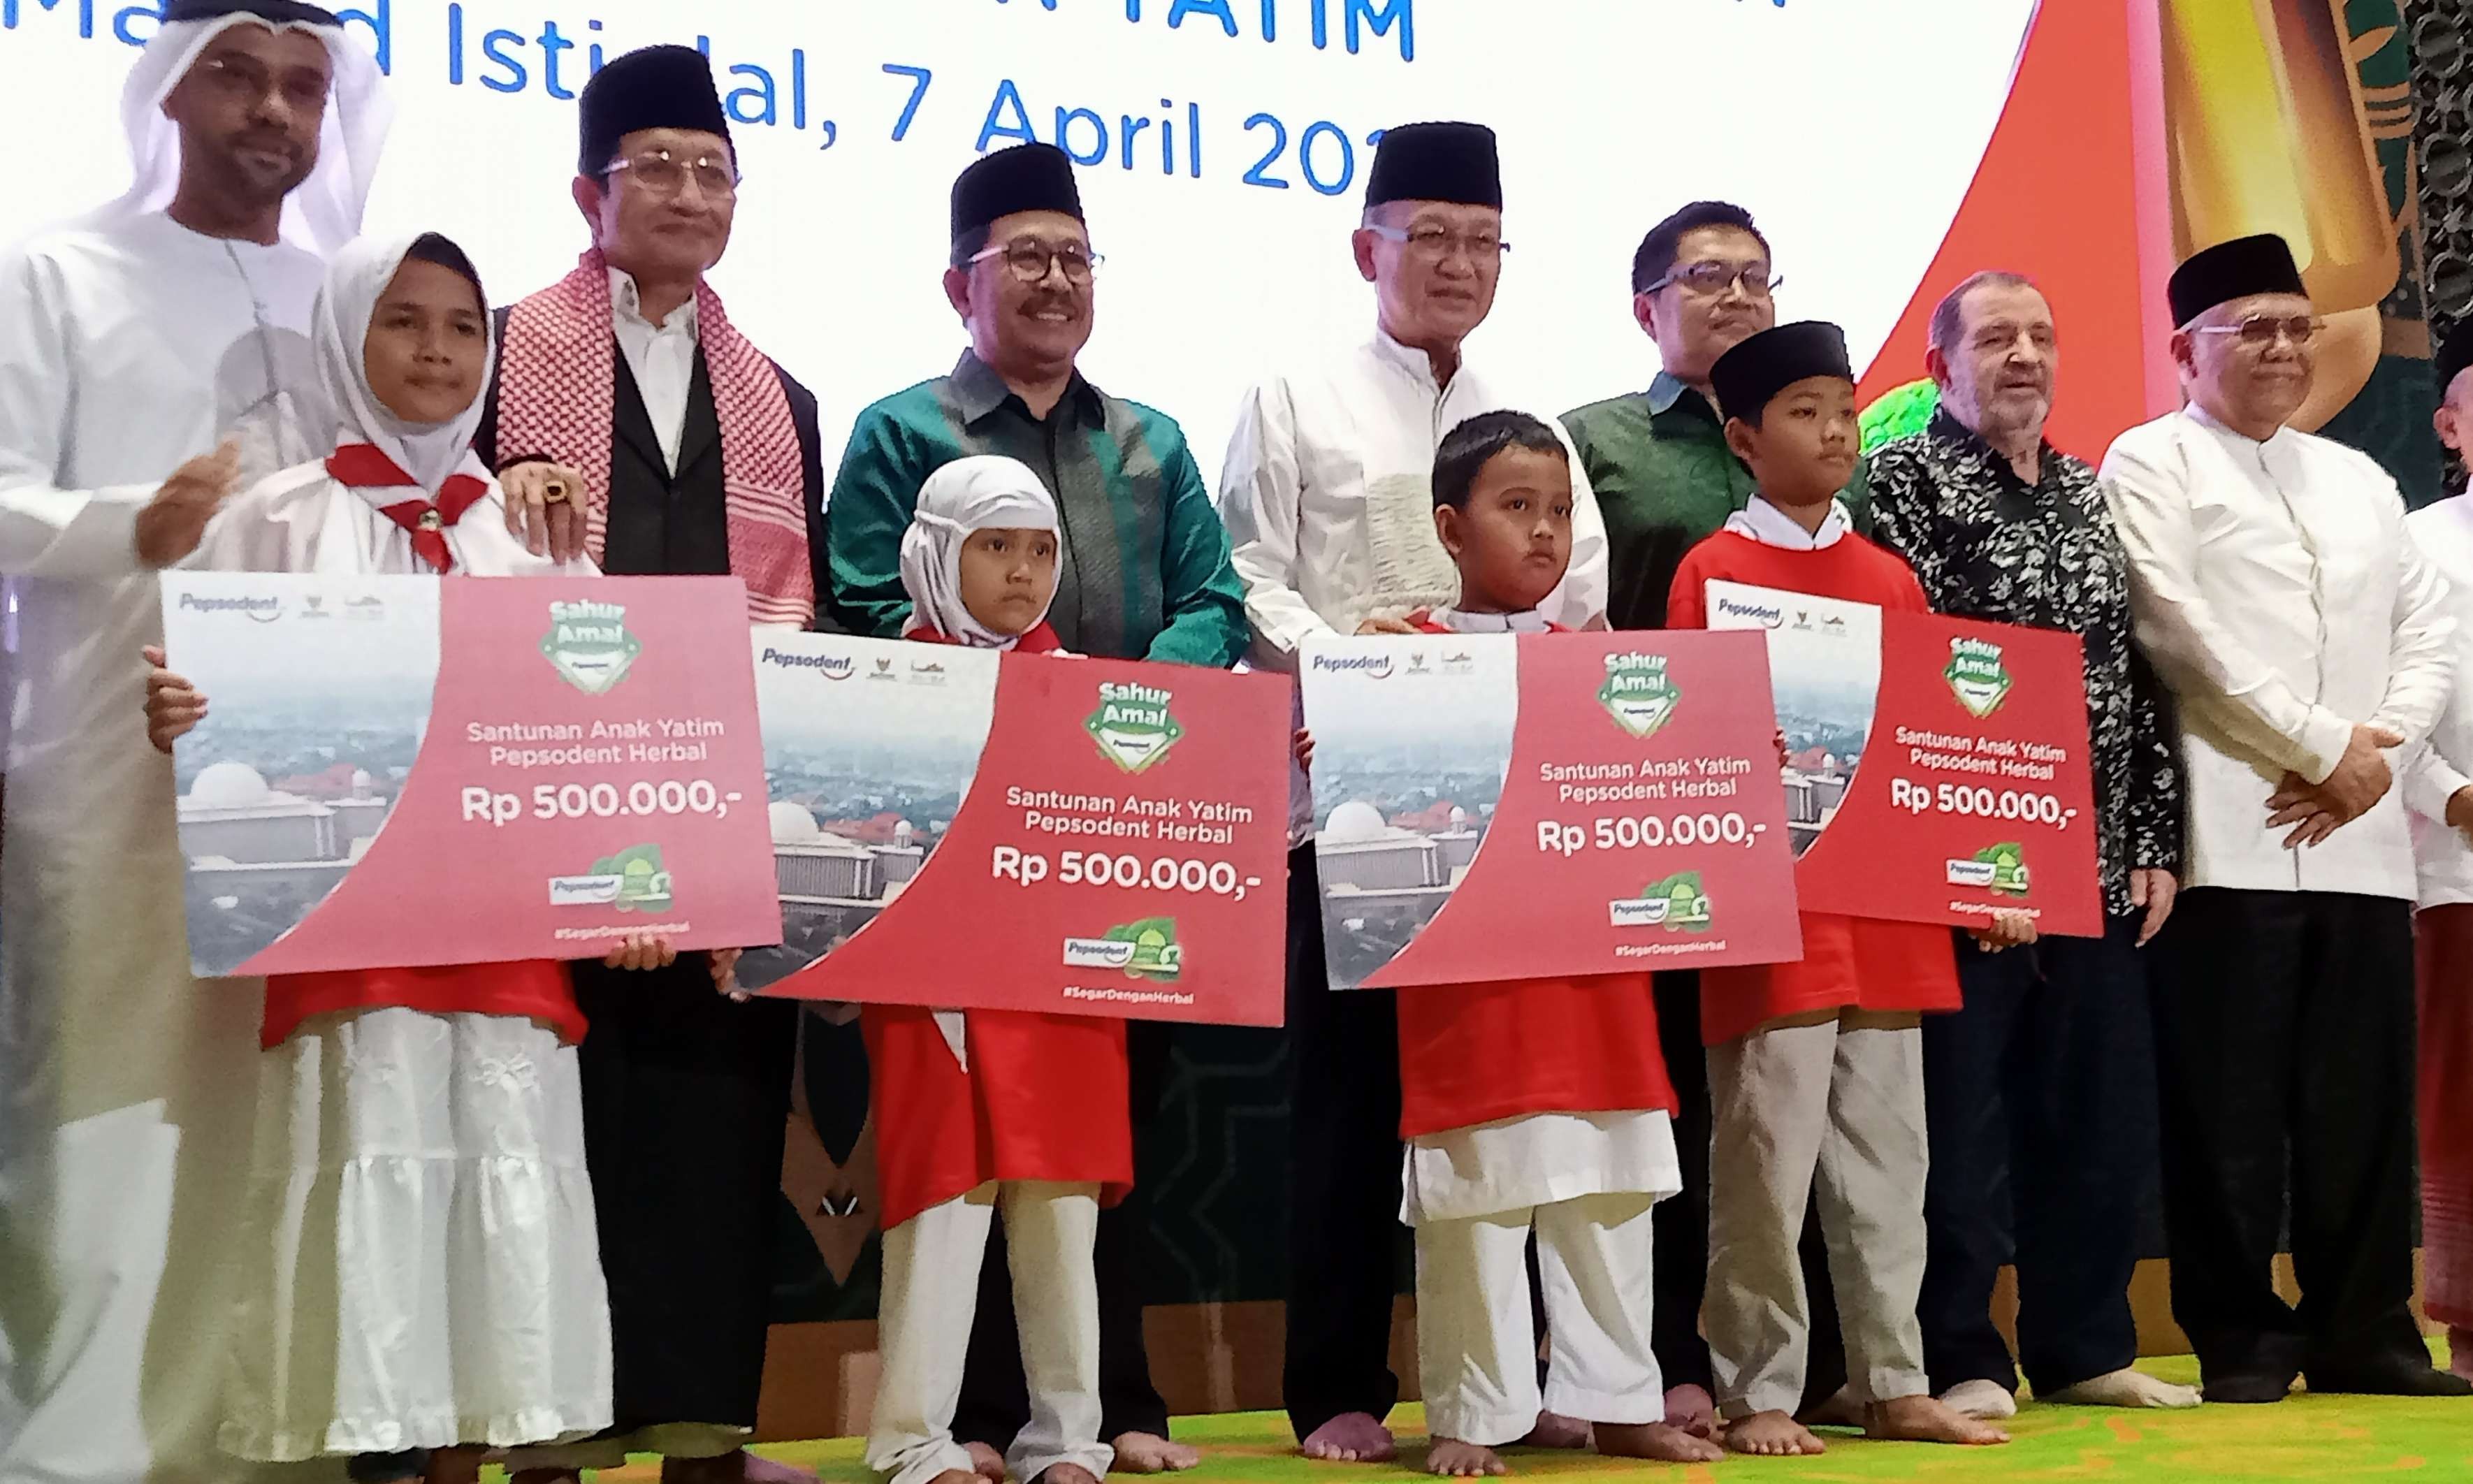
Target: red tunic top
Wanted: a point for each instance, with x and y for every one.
(1860, 962)
(1475, 1053)
(1045, 1096)
(534, 989)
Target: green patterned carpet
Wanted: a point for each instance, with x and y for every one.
(2329, 1438)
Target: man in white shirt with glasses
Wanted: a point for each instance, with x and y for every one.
(1327, 496)
(2305, 641)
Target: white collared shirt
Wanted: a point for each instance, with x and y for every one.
(662, 358)
(1530, 622)
(2281, 598)
(1327, 493)
(2443, 859)
(1763, 523)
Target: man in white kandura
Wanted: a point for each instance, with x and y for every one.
(151, 355)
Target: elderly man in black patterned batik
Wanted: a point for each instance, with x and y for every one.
(2040, 1095)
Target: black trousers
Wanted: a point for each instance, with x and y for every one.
(995, 1401)
(1344, 1190)
(686, 1100)
(2040, 1101)
(2284, 1043)
(1679, 1226)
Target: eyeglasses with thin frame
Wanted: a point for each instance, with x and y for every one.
(2261, 329)
(1029, 259)
(664, 173)
(1711, 277)
(1439, 242)
(304, 88)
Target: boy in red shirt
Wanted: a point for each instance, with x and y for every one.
(1534, 1105)
(1815, 1069)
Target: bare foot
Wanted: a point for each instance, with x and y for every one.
(1350, 1438)
(454, 1466)
(1655, 1439)
(1839, 1409)
(2124, 1387)
(1772, 1435)
(1452, 1459)
(2460, 1350)
(1067, 1474)
(547, 1477)
(1925, 1419)
(955, 1476)
(1689, 1408)
(1984, 1400)
(987, 1463)
(756, 1468)
(1555, 1430)
(1147, 1453)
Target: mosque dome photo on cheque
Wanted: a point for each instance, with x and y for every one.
(1355, 820)
(228, 785)
(793, 824)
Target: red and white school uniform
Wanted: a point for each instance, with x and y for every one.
(421, 1267)
(976, 1112)
(1834, 1111)
(1534, 1105)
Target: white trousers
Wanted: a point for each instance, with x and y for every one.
(1477, 1342)
(931, 1286)
(1845, 1104)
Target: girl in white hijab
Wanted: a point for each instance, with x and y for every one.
(999, 1110)
(403, 342)
(421, 1275)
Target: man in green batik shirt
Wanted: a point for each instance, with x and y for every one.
(1663, 478)
(1144, 566)
(1701, 284)
(1142, 574)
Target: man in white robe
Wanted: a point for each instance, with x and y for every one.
(131, 341)
(2307, 642)
(1327, 496)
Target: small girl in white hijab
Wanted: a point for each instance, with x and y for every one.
(996, 1110)
(423, 1276)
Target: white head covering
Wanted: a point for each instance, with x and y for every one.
(340, 326)
(324, 212)
(979, 493)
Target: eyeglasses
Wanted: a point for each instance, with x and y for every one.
(1029, 259)
(665, 174)
(304, 88)
(1710, 279)
(2261, 329)
(1439, 242)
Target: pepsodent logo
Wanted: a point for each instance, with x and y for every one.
(1768, 615)
(832, 667)
(1638, 693)
(1976, 677)
(261, 609)
(590, 646)
(1374, 667)
(1996, 868)
(1132, 725)
(1143, 949)
(1678, 904)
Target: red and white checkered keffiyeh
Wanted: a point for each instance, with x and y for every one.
(557, 398)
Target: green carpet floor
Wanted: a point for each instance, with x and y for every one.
(2306, 1437)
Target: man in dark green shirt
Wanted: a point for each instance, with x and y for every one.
(1142, 574)
(1144, 566)
(1701, 284)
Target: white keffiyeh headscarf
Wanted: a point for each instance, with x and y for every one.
(325, 211)
(983, 492)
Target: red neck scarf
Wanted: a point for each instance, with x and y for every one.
(362, 466)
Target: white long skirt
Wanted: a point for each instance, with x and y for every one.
(421, 1268)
